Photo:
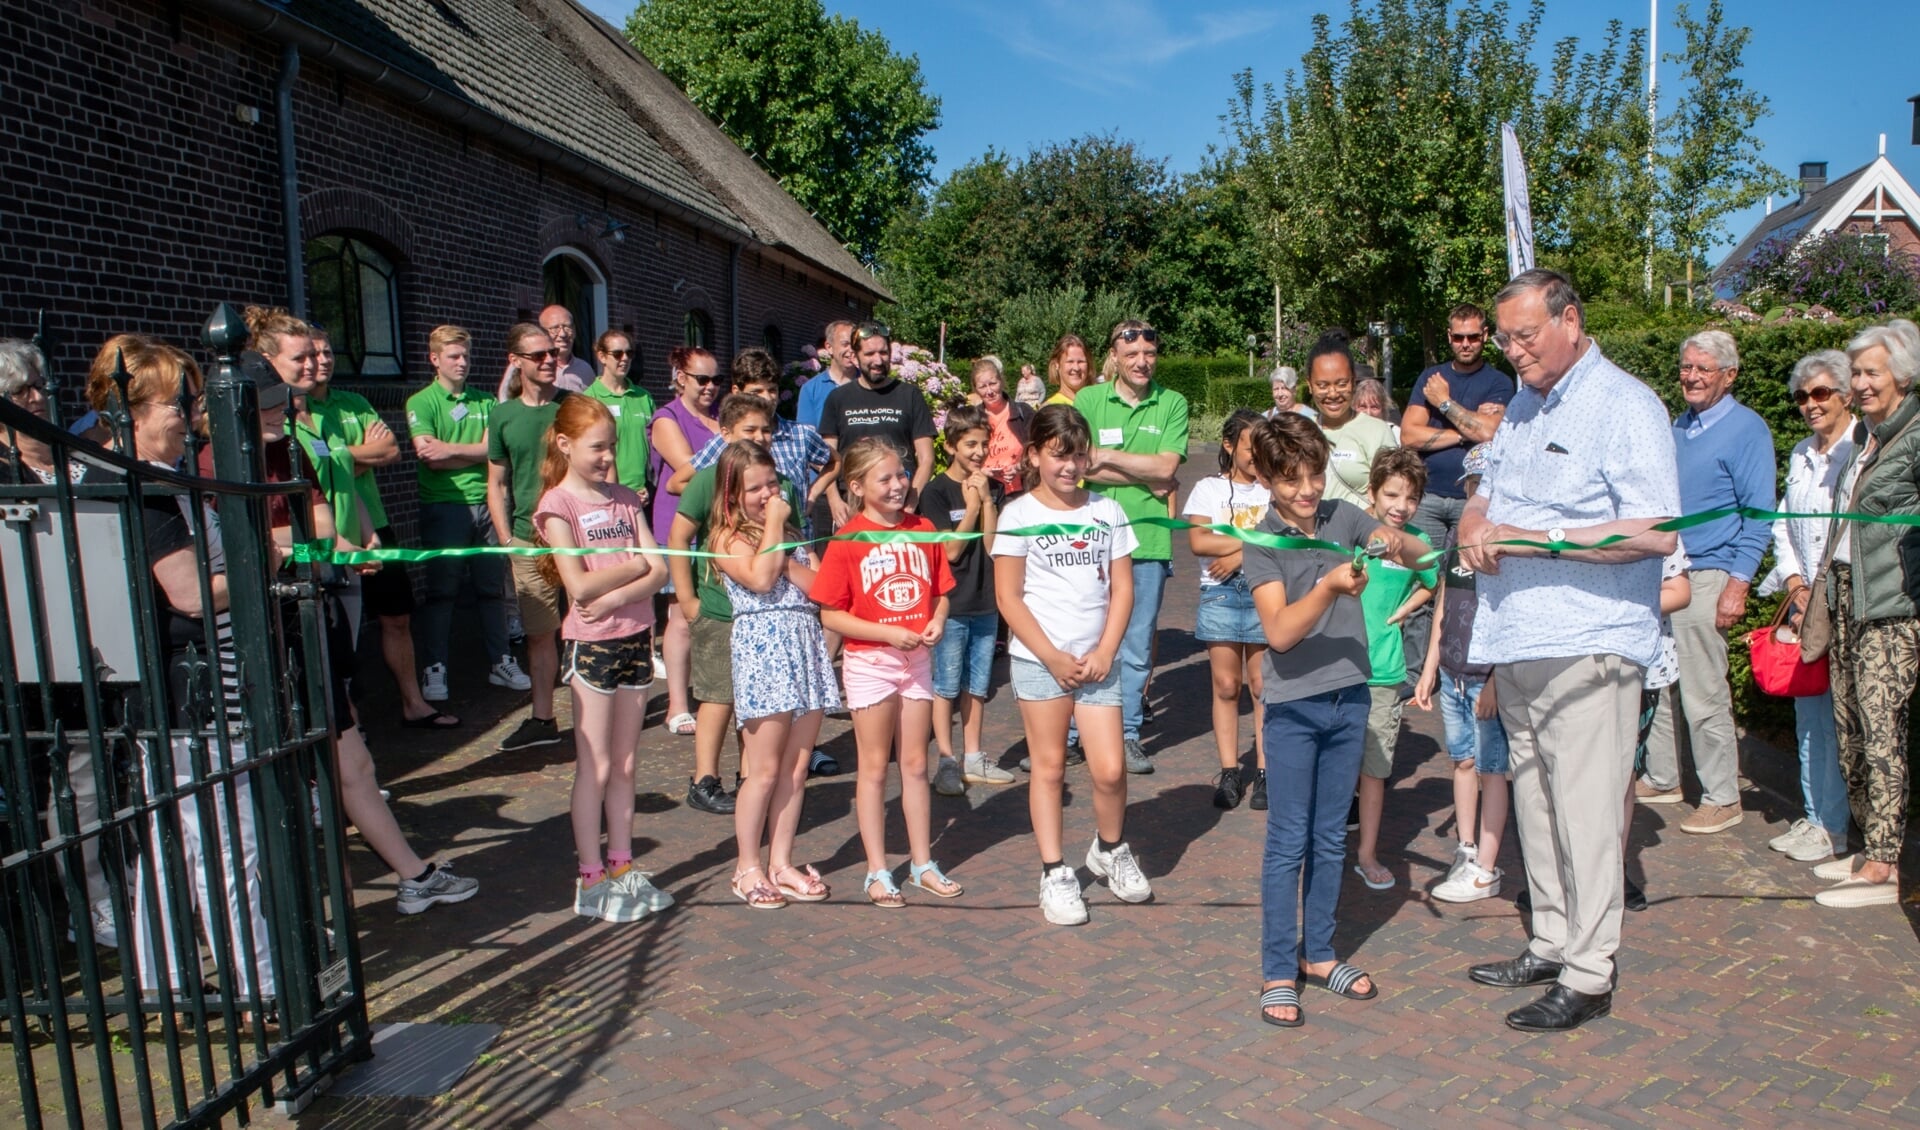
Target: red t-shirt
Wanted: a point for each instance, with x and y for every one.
(893, 583)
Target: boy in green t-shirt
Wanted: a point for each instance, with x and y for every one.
(447, 427)
(1395, 483)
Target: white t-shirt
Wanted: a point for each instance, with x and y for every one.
(1069, 578)
(1219, 499)
(1666, 669)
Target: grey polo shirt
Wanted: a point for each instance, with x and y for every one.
(1334, 654)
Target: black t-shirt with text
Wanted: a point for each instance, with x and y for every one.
(895, 411)
(944, 503)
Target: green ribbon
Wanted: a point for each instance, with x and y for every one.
(320, 551)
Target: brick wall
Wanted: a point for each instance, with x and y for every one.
(137, 199)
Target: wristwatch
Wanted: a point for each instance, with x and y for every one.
(1556, 534)
(1446, 406)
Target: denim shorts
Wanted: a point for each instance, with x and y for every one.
(1226, 614)
(1032, 682)
(963, 659)
(1468, 738)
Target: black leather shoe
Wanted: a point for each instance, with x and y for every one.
(1520, 972)
(1561, 1010)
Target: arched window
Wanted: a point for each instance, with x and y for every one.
(568, 278)
(352, 291)
(699, 329)
(770, 339)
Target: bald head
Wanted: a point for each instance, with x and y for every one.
(557, 320)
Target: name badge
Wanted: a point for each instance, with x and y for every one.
(954, 516)
(593, 518)
(1340, 456)
(459, 412)
(320, 448)
(1110, 437)
(615, 409)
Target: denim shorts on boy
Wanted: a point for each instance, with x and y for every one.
(1481, 741)
(711, 675)
(1226, 614)
(963, 659)
(1032, 682)
(606, 666)
(1383, 732)
(872, 675)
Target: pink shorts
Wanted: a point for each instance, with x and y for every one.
(874, 674)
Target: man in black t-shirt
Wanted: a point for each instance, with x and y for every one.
(878, 404)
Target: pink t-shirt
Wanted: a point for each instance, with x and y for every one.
(619, 520)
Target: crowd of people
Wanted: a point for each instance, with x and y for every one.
(1503, 552)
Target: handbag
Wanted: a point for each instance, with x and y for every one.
(1778, 667)
(1816, 625)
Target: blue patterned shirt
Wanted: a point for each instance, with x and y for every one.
(798, 454)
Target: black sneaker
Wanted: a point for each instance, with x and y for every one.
(1226, 789)
(707, 795)
(1258, 801)
(533, 732)
(1636, 899)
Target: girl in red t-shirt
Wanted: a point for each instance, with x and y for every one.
(889, 600)
(608, 658)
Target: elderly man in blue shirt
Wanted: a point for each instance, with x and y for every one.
(1584, 454)
(1725, 455)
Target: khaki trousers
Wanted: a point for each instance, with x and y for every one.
(1571, 727)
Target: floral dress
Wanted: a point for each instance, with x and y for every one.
(780, 662)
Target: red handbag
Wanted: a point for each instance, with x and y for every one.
(1777, 668)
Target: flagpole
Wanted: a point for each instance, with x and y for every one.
(1653, 119)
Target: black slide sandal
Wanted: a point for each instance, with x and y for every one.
(1282, 996)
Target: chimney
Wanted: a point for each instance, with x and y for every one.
(1813, 177)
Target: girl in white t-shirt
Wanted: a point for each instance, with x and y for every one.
(1065, 598)
(1226, 621)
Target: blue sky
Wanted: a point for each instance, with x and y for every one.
(1014, 74)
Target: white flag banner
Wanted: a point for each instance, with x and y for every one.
(1513, 171)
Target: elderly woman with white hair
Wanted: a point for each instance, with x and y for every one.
(1873, 590)
(1819, 389)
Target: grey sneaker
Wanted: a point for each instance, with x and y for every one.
(949, 781)
(1075, 756)
(617, 900)
(1060, 899)
(1795, 832)
(1137, 760)
(1121, 871)
(439, 885)
(1813, 846)
(640, 886)
(979, 771)
(591, 902)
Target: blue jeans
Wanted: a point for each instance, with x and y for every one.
(1136, 647)
(1313, 764)
(455, 525)
(1483, 742)
(963, 659)
(1822, 786)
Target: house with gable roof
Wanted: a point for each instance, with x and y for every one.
(1873, 199)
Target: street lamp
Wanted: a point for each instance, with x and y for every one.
(1253, 346)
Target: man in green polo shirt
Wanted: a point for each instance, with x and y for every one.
(1140, 439)
(630, 404)
(447, 424)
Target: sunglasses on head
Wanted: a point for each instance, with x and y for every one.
(1819, 395)
(865, 330)
(1143, 333)
(539, 354)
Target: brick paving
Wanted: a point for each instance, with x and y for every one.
(1742, 1002)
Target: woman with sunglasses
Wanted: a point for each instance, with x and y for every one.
(632, 408)
(680, 428)
(1819, 389)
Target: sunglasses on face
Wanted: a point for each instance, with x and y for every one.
(702, 378)
(1145, 333)
(1465, 339)
(618, 354)
(540, 354)
(1819, 394)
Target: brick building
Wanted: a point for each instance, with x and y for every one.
(456, 161)
(1873, 199)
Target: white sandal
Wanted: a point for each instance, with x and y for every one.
(681, 723)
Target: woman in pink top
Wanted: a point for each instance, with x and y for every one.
(608, 656)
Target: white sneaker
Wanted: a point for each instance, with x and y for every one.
(1060, 899)
(1791, 836)
(1463, 854)
(104, 935)
(1813, 846)
(433, 683)
(1121, 871)
(1469, 884)
(508, 674)
(980, 771)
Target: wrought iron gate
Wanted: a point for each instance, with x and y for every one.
(208, 830)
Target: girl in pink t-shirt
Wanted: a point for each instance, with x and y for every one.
(608, 657)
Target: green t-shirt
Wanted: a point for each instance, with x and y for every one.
(323, 448)
(632, 411)
(349, 415)
(450, 418)
(1389, 584)
(1154, 426)
(696, 502)
(518, 439)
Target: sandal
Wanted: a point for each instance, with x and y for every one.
(760, 896)
(1383, 885)
(681, 723)
(889, 897)
(946, 888)
(438, 720)
(1341, 979)
(1282, 996)
(810, 888)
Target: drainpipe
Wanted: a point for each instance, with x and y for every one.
(290, 180)
(733, 296)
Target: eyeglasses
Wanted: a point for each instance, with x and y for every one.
(1142, 333)
(865, 330)
(1819, 394)
(1704, 370)
(1505, 342)
(618, 354)
(1466, 339)
(538, 354)
(28, 389)
(564, 329)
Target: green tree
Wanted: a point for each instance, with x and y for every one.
(1711, 165)
(1026, 325)
(823, 104)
